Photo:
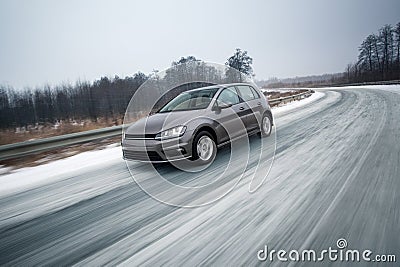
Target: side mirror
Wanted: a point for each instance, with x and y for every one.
(218, 107)
(225, 105)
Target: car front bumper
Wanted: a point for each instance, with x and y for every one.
(152, 150)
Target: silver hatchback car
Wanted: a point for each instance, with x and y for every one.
(197, 122)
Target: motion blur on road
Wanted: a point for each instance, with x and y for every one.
(336, 175)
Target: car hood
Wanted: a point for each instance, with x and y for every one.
(158, 122)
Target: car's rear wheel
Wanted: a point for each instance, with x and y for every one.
(204, 148)
(266, 125)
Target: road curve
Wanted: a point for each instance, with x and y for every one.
(336, 174)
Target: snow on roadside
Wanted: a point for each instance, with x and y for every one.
(280, 90)
(298, 103)
(35, 176)
(388, 87)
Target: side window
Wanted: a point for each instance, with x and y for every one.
(228, 96)
(256, 94)
(246, 92)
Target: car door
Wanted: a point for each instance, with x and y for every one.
(231, 118)
(252, 106)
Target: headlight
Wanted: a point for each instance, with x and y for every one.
(171, 133)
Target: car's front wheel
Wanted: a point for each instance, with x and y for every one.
(204, 148)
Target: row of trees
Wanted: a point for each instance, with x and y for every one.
(379, 57)
(104, 98)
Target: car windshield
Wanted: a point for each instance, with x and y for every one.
(198, 99)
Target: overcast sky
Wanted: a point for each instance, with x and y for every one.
(63, 41)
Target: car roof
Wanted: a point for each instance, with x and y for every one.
(219, 86)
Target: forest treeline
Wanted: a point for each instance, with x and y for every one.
(378, 60)
(106, 98)
(379, 57)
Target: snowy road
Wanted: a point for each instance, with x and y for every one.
(336, 175)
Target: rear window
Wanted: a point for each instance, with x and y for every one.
(228, 96)
(246, 93)
(256, 94)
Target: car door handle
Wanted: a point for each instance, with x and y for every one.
(259, 103)
(241, 108)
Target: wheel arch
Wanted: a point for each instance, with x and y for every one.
(208, 128)
(269, 114)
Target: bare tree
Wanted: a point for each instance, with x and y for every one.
(366, 52)
(386, 39)
(397, 42)
(379, 57)
(376, 51)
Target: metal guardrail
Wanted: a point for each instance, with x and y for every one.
(286, 99)
(34, 146)
(17, 150)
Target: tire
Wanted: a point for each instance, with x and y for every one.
(266, 125)
(204, 149)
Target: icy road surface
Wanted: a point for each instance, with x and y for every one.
(336, 175)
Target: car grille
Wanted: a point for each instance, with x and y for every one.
(140, 136)
(142, 155)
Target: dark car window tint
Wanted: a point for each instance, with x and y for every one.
(228, 96)
(246, 92)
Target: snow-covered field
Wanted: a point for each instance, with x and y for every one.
(390, 87)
